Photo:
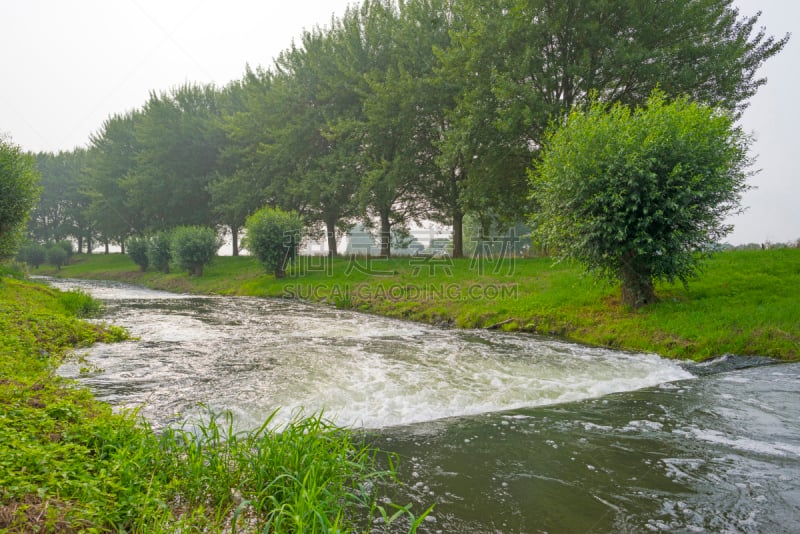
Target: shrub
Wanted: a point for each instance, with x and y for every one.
(19, 192)
(137, 251)
(56, 256)
(640, 195)
(158, 251)
(66, 244)
(33, 254)
(193, 247)
(273, 236)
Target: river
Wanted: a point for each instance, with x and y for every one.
(502, 432)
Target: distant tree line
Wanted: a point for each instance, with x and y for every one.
(397, 111)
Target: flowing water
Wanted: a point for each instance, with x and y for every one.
(502, 432)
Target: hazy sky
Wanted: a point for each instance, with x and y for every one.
(68, 65)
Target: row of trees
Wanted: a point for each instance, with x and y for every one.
(56, 254)
(190, 248)
(273, 236)
(394, 112)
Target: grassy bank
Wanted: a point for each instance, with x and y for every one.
(68, 464)
(746, 302)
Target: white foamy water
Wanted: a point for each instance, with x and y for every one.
(253, 356)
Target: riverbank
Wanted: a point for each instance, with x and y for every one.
(68, 464)
(744, 303)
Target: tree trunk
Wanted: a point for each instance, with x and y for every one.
(80, 244)
(386, 235)
(88, 245)
(637, 286)
(108, 251)
(330, 227)
(235, 239)
(458, 234)
(122, 246)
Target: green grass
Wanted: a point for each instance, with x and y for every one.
(68, 464)
(745, 302)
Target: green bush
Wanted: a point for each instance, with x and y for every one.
(273, 236)
(56, 256)
(640, 195)
(33, 254)
(137, 251)
(19, 192)
(193, 247)
(68, 247)
(158, 251)
(12, 270)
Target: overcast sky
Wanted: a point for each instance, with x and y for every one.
(68, 65)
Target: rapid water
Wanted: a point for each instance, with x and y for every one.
(717, 454)
(503, 432)
(255, 355)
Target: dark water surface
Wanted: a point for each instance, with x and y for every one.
(504, 433)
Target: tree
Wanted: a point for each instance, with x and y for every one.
(385, 51)
(137, 251)
(248, 182)
(49, 220)
(425, 38)
(232, 197)
(193, 247)
(525, 63)
(159, 252)
(112, 157)
(295, 138)
(56, 256)
(66, 244)
(273, 236)
(33, 254)
(19, 192)
(178, 136)
(62, 210)
(310, 155)
(642, 195)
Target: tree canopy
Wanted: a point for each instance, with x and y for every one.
(19, 191)
(112, 157)
(640, 195)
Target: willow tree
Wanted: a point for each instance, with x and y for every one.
(19, 191)
(640, 196)
(273, 237)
